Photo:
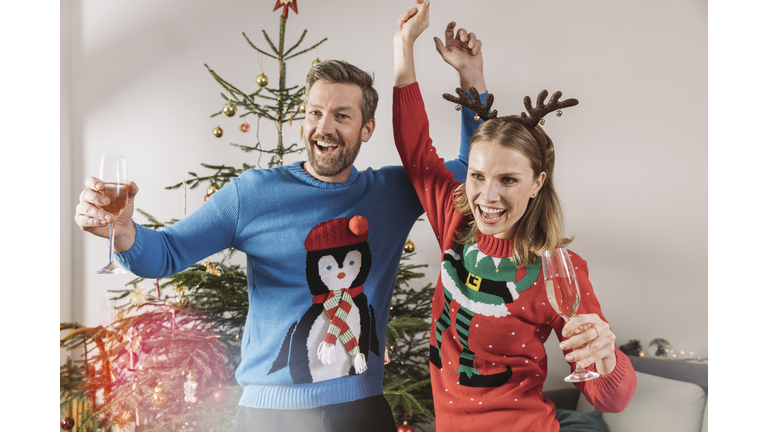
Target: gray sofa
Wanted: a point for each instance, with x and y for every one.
(671, 395)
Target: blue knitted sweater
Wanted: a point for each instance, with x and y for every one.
(293, 229)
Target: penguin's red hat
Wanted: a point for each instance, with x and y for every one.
(337, 233)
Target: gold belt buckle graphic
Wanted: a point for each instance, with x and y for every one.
(473, 282)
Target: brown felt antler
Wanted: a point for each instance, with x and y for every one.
(541, 110)
(479, 108)
(529, 120)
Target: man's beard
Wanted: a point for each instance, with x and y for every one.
(336, 165)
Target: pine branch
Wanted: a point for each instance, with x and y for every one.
(248, 103)
(234, 91)
(398, 393)
(222, 176)
(297, 43)
(308, 49)
(257, 49)
(266, 36)
(154, 223)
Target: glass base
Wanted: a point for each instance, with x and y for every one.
(111, 268)
(581, 376)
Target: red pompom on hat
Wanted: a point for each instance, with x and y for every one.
(337, 233)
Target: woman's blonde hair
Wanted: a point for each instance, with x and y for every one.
(541, 227)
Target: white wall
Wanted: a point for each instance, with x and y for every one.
(632, 157)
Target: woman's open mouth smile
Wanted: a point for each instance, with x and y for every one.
(490, 215)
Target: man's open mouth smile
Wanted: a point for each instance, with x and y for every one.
(325, 147)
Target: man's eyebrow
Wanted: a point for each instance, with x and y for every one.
(341, 108)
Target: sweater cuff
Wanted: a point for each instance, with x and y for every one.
(621, 372)
(136, 250)
(406, 95)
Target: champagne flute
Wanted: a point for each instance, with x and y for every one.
(112, 173)
(563, 294)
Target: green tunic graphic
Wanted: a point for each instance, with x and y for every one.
(480, 284)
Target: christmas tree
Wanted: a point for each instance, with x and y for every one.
(167, 363)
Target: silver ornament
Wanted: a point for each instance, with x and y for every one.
(660, 348)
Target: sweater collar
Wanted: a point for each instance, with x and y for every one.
(495, 247)
(297, 171)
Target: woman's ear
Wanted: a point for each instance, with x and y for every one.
(538, 183)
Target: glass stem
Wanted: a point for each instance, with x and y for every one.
(579, 369)
(111, 234)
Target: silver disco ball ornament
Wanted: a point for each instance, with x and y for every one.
(660, 348)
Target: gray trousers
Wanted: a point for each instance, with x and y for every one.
(371, 414)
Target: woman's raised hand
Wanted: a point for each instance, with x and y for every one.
(413, 22)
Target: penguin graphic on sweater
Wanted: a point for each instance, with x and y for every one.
(334, 337)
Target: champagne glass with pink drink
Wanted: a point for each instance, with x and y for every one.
(563, 294)
(112, 173)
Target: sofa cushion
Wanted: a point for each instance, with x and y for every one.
(574, 421)
(658, 404)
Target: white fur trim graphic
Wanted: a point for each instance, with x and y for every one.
(513, 290)
(484, 309)
(452, 253)
(496, 262)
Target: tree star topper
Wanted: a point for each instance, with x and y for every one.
(285, 4)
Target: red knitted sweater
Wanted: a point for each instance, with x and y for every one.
(491, 317)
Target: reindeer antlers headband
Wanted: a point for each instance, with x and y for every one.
(529, 121)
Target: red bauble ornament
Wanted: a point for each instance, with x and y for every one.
(220, 396)
(406, 428)
(68, 423)
(206, 197)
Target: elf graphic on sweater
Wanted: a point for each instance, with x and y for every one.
(477, 284)
(334, 336)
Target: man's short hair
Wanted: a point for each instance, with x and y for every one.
(341, 72)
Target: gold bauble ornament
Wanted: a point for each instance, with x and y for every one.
(211, 189)
(262, 80)
(159, 398)
(302, 108)
(218, 132)
(229, 109)
(182, 301)
(541, 122)
(410, 246)
(477, 117)
(316, 62)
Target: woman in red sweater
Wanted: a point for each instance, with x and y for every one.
(490, 311)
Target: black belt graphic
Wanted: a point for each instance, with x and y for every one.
(487, 286)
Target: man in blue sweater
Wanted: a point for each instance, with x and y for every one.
(323, 242)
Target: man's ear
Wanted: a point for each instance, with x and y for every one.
(367, 130)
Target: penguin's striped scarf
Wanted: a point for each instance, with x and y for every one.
(337, 305)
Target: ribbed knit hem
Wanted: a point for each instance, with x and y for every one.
(136, 251)
(495, 247)
(619, 385)
(405, 95)
(306, 396)
(612, 381)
